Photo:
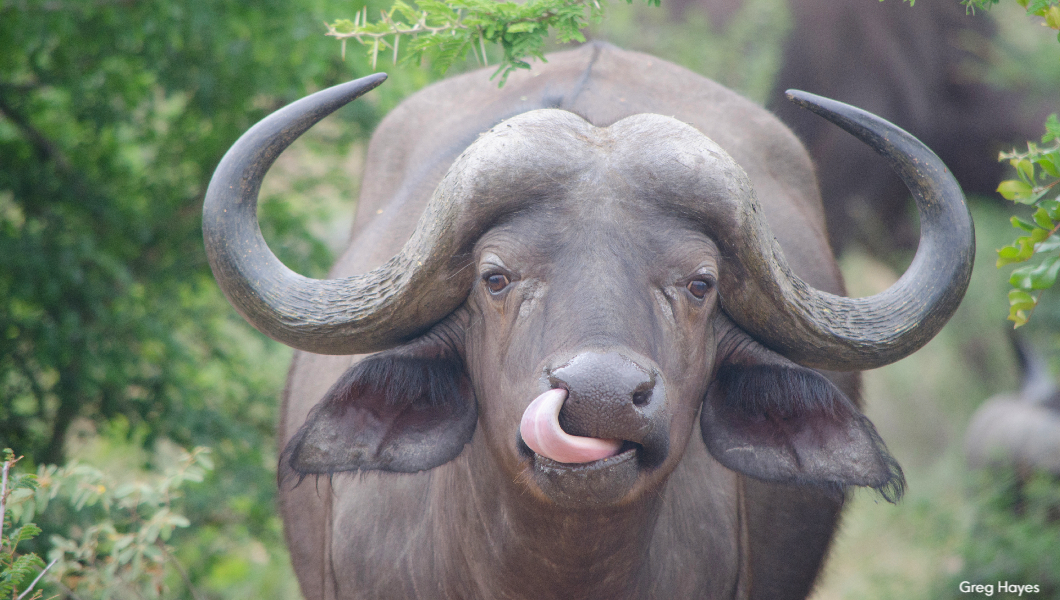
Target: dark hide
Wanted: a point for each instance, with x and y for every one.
(771, 419)
(598, 268)
(404, 410)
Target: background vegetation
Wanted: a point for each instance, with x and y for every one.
(117, 350)
(113, 336)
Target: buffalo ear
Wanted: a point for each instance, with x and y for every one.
(766, 417)
(404, 410)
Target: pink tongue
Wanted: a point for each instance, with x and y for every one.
(541, 432)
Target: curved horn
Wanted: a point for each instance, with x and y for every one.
(822, 330)
(358, 314)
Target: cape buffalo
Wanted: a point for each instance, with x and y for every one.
(597, 298)
(1019, 430)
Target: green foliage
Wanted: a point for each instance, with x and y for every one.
(1015, 535)
(19, 573)
(445, 32)
(113, 116)
(1048, 10)
(118, 546)
(115, 533)
(106, 517)
(1038, 172)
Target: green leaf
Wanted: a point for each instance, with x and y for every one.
(1052, 208)
(1019, 223)
(1008, 255)
(22, 571)
(1052, 128)
(1052, 17)
(24, 533)
(1019, 303)
(1017, 191)
(343, 25)
(1035, 7)
(1041, 217)
(1051, 244)
(1023, 248)
(1025, 168)
(523, 27)
(1040, 277)
(1019, 251)
(1020, 278)
(1050, 163)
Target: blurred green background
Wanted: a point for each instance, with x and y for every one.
(116, 346)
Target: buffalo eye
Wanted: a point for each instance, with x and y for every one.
(496, 282)
(700, 287)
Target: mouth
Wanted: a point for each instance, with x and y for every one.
(628, 451)
(601, 482)
(573, 470)
(541, 432)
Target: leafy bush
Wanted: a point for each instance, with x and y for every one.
(113, 116)
(114, 536)
(445, 32)
(19, 573)
(1039, 171)
(132, 533)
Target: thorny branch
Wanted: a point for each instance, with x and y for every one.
(34, 582)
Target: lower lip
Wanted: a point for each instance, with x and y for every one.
(604, 482)
(623, 456)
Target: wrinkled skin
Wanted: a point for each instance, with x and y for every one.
(598, 272)
(561, 305)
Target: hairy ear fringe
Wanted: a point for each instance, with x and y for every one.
(777, 391)
(893, 488)
(402, 380)
(769, 403)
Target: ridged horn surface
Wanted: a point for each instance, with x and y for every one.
(363, 313)
(822, 330)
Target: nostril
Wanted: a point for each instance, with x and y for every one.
(641, 397)
(643, 392)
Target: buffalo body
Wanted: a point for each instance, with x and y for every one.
(631, 242)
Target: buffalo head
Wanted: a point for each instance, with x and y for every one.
(577, 295)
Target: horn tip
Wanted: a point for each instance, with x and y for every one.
(367, 83)
(804, 99)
